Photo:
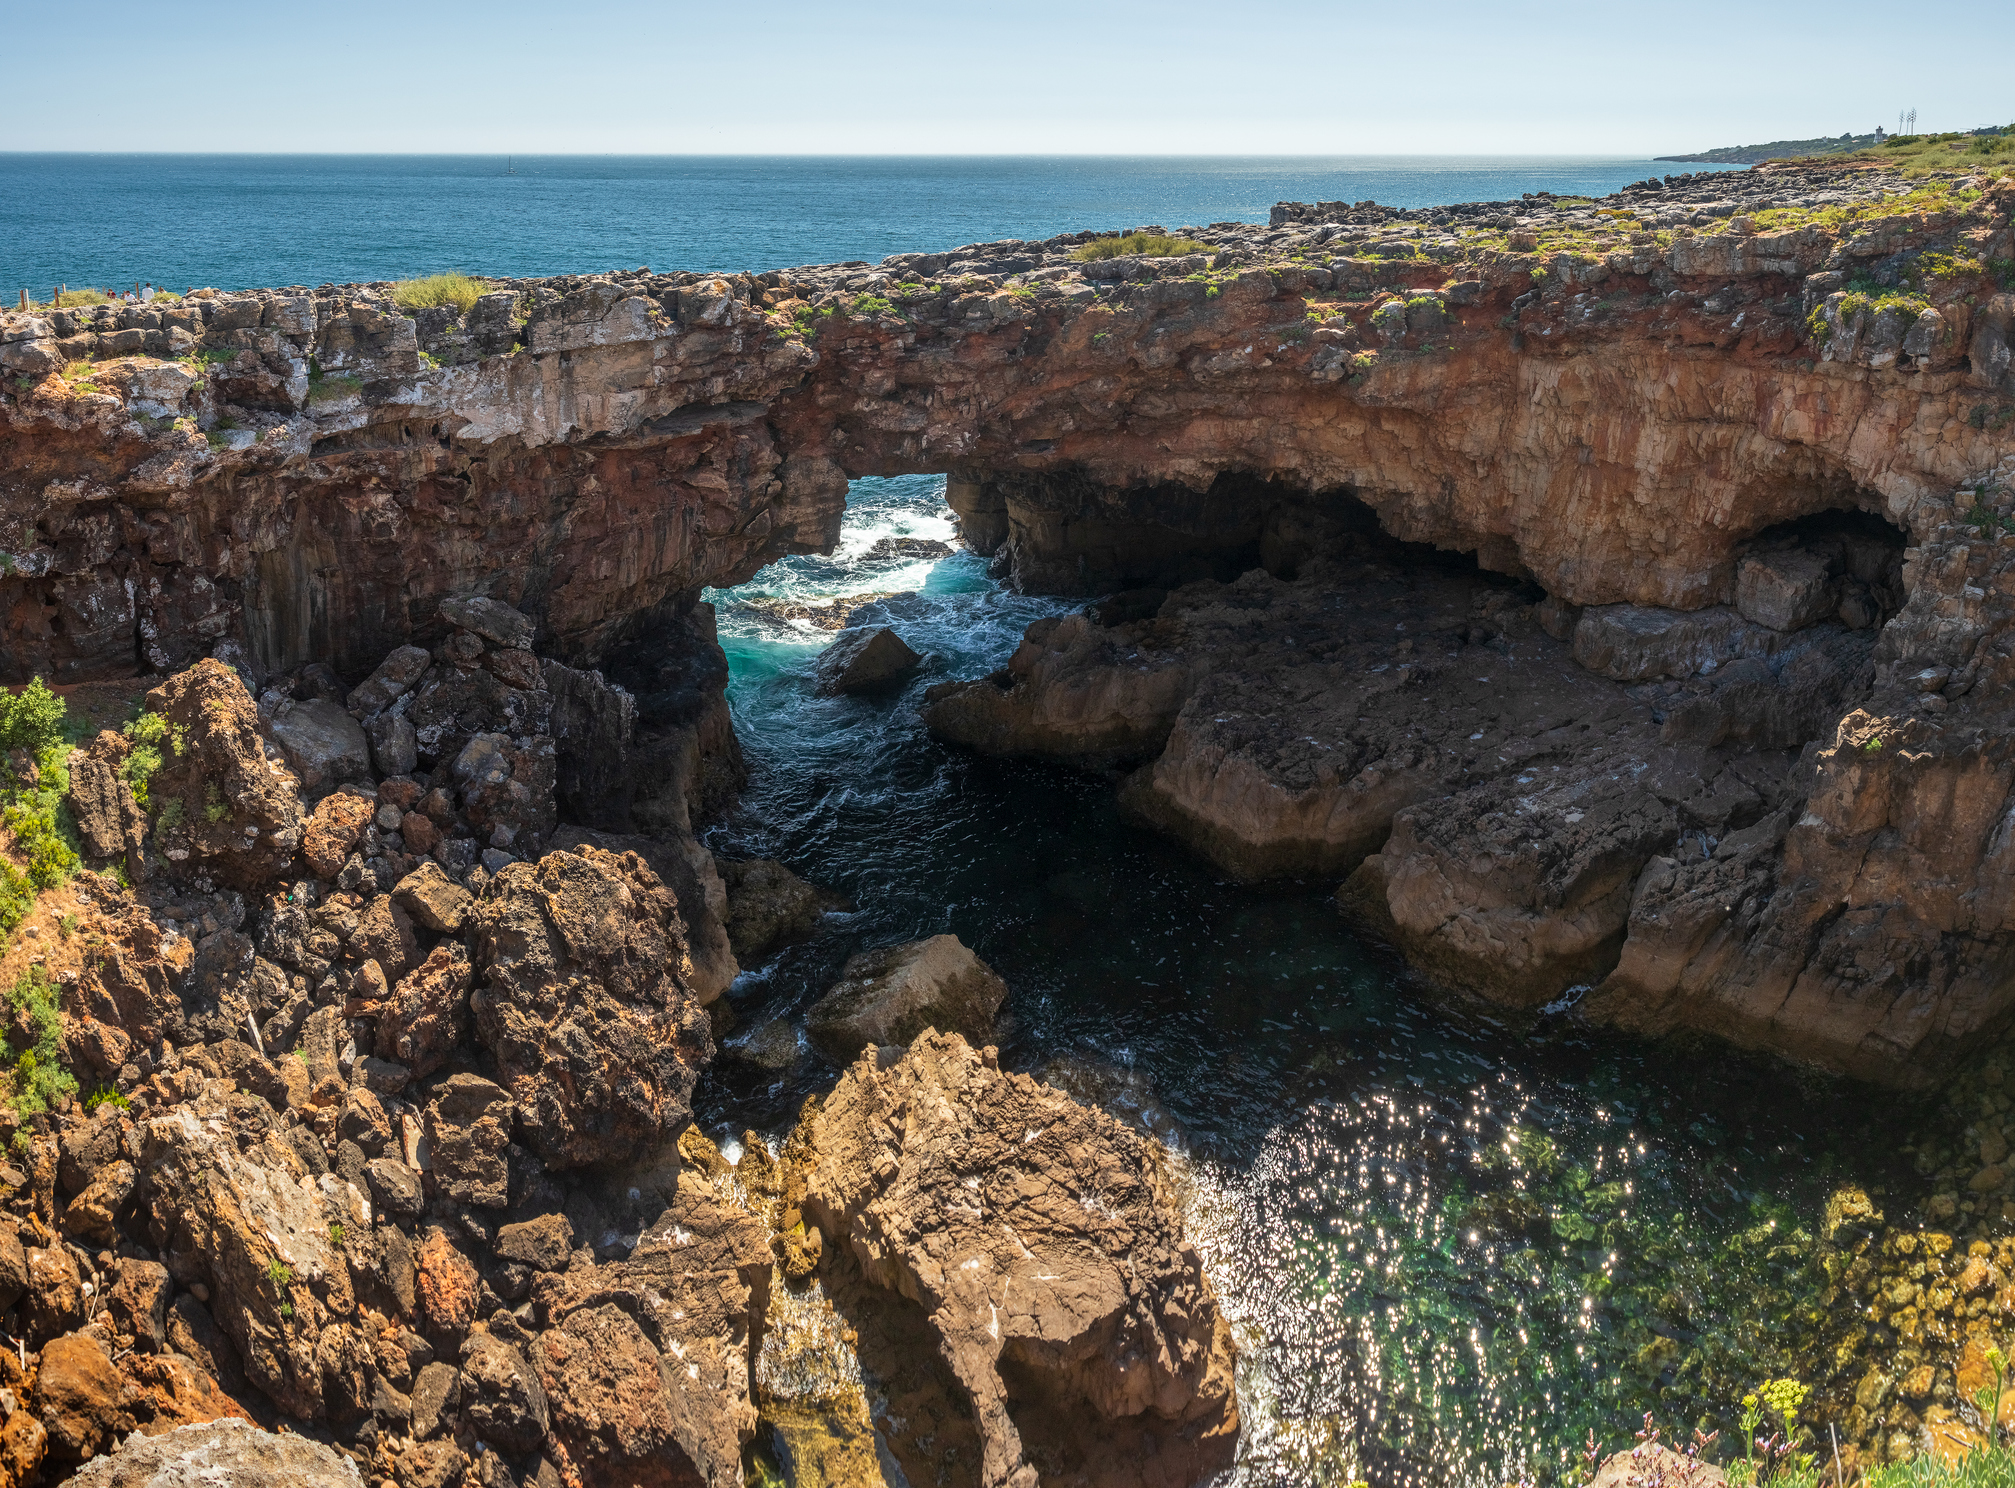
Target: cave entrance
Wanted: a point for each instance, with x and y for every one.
(1064, 533)
(1842, 564)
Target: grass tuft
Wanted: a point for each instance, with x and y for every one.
(1143, 245)
(457, 289)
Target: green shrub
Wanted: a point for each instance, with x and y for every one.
(1989, 1467)
(148, 732)
(39, 1076)
(457, 289)
(1144, 245)
(105, 1095)
(31, 719)
(17, 897)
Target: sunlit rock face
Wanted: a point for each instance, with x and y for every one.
(1618, 418)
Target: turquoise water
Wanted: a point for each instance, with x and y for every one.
(1449, 1248)
(235, 221)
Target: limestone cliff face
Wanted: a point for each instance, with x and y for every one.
(317, 469)
(1615, 403)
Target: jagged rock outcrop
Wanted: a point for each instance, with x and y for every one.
(585, 1005)
(1038, 1239)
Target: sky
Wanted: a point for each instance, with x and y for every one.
(951, 77)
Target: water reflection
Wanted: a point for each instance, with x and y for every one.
(1449, 1248)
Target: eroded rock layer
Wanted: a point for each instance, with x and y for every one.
(1623, 403)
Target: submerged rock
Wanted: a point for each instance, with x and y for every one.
(889, 996)
(861, 660)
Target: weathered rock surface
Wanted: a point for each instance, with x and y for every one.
(223, 805)
(585, 1004)
(863, 661)
(220, 1452)
(891, 995)
(1040, 1242)
(769, 907)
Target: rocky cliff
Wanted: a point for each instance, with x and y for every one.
(1629, 407)
(389, 1137)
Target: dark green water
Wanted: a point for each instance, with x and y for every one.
(1449, 1248)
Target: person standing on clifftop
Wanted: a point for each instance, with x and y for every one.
(147, 293)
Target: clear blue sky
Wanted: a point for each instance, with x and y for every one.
(1173, 76)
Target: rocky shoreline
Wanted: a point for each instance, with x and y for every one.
(389, 1141)
(1613, 402)
(1613, 598)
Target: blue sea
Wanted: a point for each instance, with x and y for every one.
(238, 221)
(1448, 1250)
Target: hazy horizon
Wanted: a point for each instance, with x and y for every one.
(1177, 78)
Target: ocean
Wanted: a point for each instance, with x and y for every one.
(239, 221)
(1448, 1250)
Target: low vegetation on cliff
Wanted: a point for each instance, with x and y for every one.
(33, 781)
(1144, 245)
(456, 289)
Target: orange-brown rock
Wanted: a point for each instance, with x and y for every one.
(1040, 1240)
(428, 1012)
(80, 1398)
(585, 1003)
(219, 803)
(446, 1285)
(332, 830)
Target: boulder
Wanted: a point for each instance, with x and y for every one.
(395, 675)
(323, 744)
(889, 996)
(165, 1390)
(384, 934)
(698, 1284)
(769, 907)
(333, 830)
(862, 660)
(94, 1213)
(545, 1243)
(80, 1398)
(395, 1188)
(1650, 1463)
(433, 899)
(446, 1286)
(138, 1302)
(1121, 1360)
(501, 1397)
(597, 1035)
(614, 1406)
(231, 1452)
(492, 619)
(468, 1133)
(693, 875)
(219, 804)
(1785, 589)
(427, 1014)
(395, 747)
(437, 1393)
(245, 1226)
